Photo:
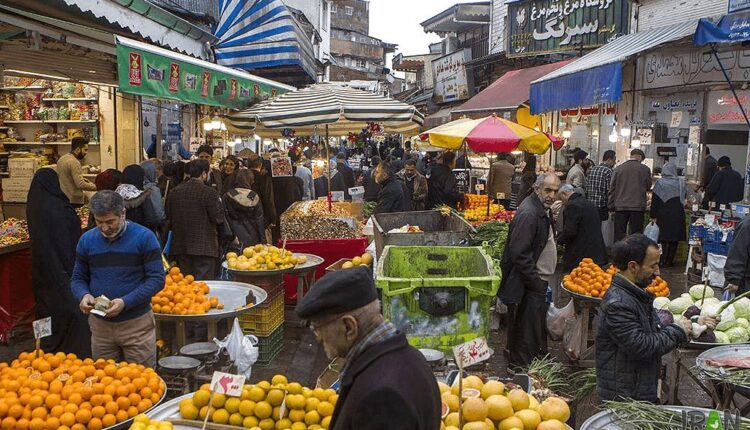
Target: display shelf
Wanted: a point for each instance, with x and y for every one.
(28, 88)
(51, 121)
(4, 153)
(4, 174)
(72, 99)
(44, 143)
(4, 107)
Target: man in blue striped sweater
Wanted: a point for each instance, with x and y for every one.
(122, 261)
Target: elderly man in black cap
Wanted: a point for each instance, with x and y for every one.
(385, 383)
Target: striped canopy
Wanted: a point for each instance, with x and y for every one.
(343, 109)
(490, 134)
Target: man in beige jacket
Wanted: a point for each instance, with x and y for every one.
(72, 182)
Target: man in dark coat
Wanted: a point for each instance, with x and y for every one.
(206, 152)
(709, 168)
(631, 340)
(385, 383)
(726, 186)
(737, 267)
(581, 233)
(345, 171)
(391, 197)
(194, 211)
(416, 186)
(442, 186)
(528, 265)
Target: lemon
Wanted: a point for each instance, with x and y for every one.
(294, 388)
(232, 405)
(357, 261)
(275, 397)
(326, 423)
(247, 407)
(219, 400)
(325, 409)
(312, 417)
(263, 410)
(267, 424)
(249, 422)
(201, 397)
(257, 394)
(283, 424)
(188, 411)
(142, 418)
(221, 416)
(236, 419)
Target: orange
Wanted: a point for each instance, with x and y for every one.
(39, 412)
(122, 416)
(98, 411)
(123, 402)
(57, 411)
(111, 408)
(83, 416)
(70, 407)
(52, 423)
(67, 419)
(15, 411)
(37, 424)
(52, 400)
(95, 424)
(109, 420)
(132, 411)
(75, 398)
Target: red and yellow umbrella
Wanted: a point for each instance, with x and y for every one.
(490, 134)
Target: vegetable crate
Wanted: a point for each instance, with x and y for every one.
(264, 319)
(438, 296)
(716, 242)
(437, 229)
(270, 346)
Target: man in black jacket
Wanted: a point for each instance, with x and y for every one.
(372, 189)
(442, 186)
(726, 185)
(709, 168)
(737, 267)
(631, 340)
(391, 197)
(344, 170)
(528, 264)
(385, 383)
(581, 233)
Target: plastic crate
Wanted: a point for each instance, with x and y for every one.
(438, 296)
(716, 242)
(263, 319)
(270, 346)
(437, 229)
(696, 232)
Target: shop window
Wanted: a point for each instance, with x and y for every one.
(334, 8)
(362, 64)
(349, 10)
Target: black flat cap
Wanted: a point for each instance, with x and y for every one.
(338, 292)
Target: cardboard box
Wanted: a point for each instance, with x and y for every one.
(22, 167)
(330, 377)
(16, 196)
(16, 184)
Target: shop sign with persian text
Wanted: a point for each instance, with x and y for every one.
(544, 26)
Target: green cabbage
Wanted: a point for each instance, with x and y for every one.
(742, 322)
(721, 337)
(697, 291)
(728, 320)
(661, 302)
(742, 308)
(678, 305)
(737, 335)
(708, 301)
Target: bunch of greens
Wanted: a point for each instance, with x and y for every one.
(368, 208)
(491, 236)
(647, 416)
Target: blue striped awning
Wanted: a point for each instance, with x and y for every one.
(262, 34)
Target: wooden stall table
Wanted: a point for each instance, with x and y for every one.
(233, 295)
(586, 308)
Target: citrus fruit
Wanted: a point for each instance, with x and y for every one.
(519, 399)
(554, 408)
(498, 407)
(530, 418)
(492, 388)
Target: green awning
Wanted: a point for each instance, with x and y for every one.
(147, 70)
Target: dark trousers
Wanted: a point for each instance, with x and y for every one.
(625, 218)
(201, 267)
(668, 252)
(504, 202)
(527, 329)
(603, 213)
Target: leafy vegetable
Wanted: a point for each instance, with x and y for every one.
(665, 317)
(699, 291)
(743, 322)
(721, 337)
(728, 319)
(491, 236)
(661, 302)
(708, 336)
(742, 308)
(691, 312)
(679, 305)
(737, 335)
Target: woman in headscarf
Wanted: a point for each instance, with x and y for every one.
(53, 253)
(245, 211)
(229, 168)
(155, 201)
(108, 180)
(668, 211)
(138, 201)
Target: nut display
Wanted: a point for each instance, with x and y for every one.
(313, 220)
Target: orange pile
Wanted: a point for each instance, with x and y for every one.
(182, 295)
(658, 287)
(59, 391)
(475, 201)
(591, 280)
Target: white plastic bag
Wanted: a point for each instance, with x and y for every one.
(572, 337)
(608, 232)
(556, 319)
(652, 231)
(241, 349)
(716, 269)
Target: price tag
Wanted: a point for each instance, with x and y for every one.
(725, 236)
(722, 207)
(710, 219)
(42, 327)
(479, 187)
(695, 208)
(472, 352)
(337, 196)
(711, 205)
(228, 384)
(500, 196)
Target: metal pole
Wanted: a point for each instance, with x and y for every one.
(744, 114)
(328, 166)
(159, 148)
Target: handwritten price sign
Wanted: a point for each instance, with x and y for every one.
(472, 352)
(42, 327)
(226, 383)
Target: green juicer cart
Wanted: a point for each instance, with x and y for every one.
(438, 296)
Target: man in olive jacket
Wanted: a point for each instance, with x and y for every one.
(631, 340)
(386, 383)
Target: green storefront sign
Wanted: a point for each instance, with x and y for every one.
(538, 27)
(150, 71)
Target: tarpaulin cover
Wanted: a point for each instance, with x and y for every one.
(593, 86)
(730, 29)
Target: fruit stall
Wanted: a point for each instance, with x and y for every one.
(16, 302)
